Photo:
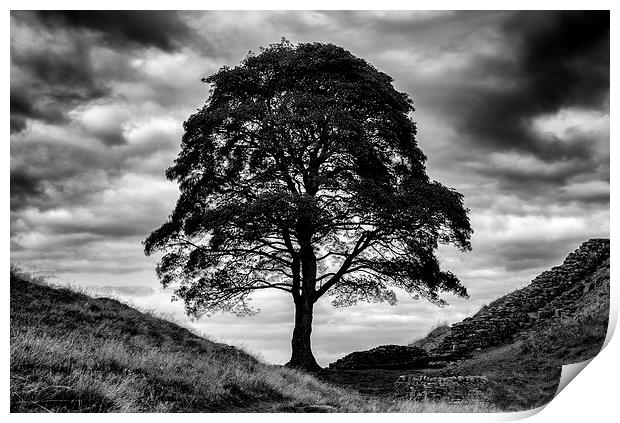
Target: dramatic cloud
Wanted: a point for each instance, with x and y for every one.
(541, 64)
(512, 110)
(73, 64)
(46, 83)
(125, 28)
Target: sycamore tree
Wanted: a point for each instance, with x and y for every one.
(302, 174)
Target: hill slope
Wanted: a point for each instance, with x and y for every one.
(565, 315)
(520, 341)
(71, 352)
(74, 353)
(552, 293)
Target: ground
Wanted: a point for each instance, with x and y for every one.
(525, 372)
(71, 352)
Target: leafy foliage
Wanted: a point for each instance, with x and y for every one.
(302, 173)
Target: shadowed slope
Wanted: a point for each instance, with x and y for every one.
(74, 353)
(71, 352)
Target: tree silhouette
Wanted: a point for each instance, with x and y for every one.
(302, 174)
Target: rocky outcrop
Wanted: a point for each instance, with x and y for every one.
(547, 295)
(433, 339)
(383, 357)
(452, 389)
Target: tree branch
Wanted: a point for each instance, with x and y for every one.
(362, 243)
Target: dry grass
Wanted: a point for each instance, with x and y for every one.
(74, 353)
(402, 406)
(83, 373)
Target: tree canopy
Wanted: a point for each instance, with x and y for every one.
(302, 173)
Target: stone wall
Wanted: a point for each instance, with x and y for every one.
(453, 389)
(501, 320)
(572, 300)
(383, 357)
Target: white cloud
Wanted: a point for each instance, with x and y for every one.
(566, 122)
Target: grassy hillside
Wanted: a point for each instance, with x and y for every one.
(71, 352)
(525, 373)
(74, 353)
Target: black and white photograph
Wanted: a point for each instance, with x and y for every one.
(306, 211)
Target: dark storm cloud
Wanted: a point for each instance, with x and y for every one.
(49, 172)
(22, 108)
(505, 86)
(533, 176)
(489, 77)
(109, 228)
(36, 165)
(70, 66)
(559, 60)
(23, 187)
(49, 82)
(48, 79)
(565, 55)
(164, 30)
(589, 194)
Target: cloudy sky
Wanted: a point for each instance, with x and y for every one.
(512, 111)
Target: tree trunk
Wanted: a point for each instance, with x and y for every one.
(301, 356)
